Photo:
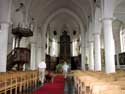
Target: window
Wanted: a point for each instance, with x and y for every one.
(122, 39)
(75, 48)
(54, 48)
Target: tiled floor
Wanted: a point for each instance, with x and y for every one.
(29, 90)
(69, 86)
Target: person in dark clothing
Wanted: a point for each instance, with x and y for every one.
(48, 76)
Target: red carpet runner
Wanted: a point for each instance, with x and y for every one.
(57, 87)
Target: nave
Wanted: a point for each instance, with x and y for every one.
(88, 34)
(54, 87)
(65, 86)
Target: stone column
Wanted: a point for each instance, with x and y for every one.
(83, 50)
(117, 26)
(33, 56)
(5, 7)
(108, 8)
(109, 46)
(96, 34)
(43, 49)
(14, 43)
(39, 56)
(86, 51)
(3, 46)
(91, 56)
(91, 45)
(97, 51)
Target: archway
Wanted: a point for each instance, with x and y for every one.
(66, 11)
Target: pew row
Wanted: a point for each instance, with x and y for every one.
(89, 82)
(13, 82)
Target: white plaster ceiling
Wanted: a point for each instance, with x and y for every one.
(61, 23)
(119, 12)
(41, 10)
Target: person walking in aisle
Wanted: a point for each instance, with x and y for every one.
(65, 69)
(42, 68)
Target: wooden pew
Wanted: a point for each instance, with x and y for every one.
(89, 82)
(17, 80)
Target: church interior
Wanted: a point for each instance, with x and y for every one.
(87, 34)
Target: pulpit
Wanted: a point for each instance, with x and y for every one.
(19, 56)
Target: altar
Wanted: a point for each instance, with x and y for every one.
(65, 54)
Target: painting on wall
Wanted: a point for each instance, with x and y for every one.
(122, 58)
(103, 58)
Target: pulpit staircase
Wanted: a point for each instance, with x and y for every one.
(19, 57)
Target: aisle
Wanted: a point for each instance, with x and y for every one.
(69, 86)
(57, 87)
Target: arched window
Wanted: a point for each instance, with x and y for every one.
(47, 49)
(54, 48)
(75, 48)
(122, 39)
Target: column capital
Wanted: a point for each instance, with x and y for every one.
(107, 18)
(83, 47)
(87, 46)
(39, 47)
(90, 41)
(5, 22)
(96, 33)
(32, 42)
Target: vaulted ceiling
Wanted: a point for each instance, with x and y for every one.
(42, 10)
(119, 12)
